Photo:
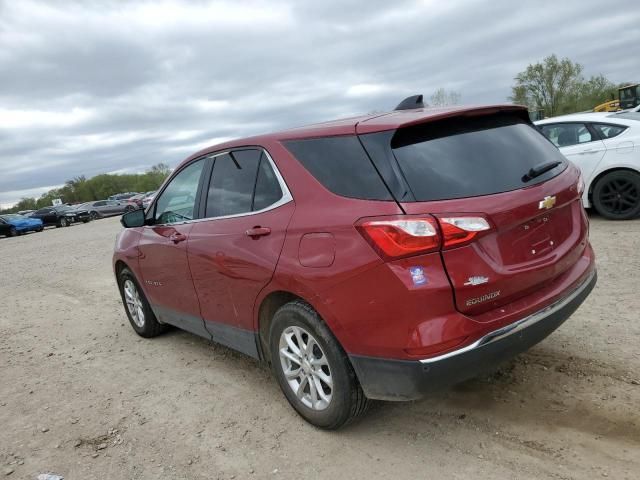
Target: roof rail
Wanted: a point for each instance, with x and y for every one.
(409, 103)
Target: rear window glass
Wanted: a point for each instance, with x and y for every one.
(471, 157)
(341, 165)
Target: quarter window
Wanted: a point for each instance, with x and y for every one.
(609, 131)
(567, 134)
(177, 201)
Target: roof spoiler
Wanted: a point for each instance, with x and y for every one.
(409, 103)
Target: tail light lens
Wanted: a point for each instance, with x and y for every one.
(457, 231)
(397, 238)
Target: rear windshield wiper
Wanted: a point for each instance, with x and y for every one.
(539, 170)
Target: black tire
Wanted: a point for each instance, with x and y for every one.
(616, 195)
(62, 222)
(13, 232)
(347, 398)
(93, 215)
(39, 229)
(151, 327)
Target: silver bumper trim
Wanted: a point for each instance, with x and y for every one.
(515, 326)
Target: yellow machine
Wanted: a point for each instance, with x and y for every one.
(628, 97)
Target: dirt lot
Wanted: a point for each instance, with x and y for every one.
(81, 395)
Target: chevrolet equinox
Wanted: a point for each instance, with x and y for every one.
(377, 257)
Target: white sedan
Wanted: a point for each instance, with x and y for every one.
(606, 147)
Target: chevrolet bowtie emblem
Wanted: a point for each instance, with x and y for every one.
(547, 203)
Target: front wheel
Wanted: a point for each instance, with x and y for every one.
(13, 232)
(312, 370)
(93, 215)
(62, 223)
(137, 307)
(616, 196)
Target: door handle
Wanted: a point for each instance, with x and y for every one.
(586, 152)
(178, 237)
(258, 232)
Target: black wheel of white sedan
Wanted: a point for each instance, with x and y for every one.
(137, 307)
(616, 196)
(313, 371)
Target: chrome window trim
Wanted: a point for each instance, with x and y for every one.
(515, 326)
(284, 199)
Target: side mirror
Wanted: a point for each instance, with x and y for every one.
(135, 218)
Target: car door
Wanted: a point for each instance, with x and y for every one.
(163, 251)
(578, 142)
(234, 249)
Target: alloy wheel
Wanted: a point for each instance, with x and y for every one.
(619, 196)
(134, 303)
(306, 368)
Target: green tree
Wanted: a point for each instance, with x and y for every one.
(551, 85)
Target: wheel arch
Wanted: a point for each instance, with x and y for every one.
(602, 173)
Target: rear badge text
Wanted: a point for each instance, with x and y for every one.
(483, 298)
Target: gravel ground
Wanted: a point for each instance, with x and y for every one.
(82, 396)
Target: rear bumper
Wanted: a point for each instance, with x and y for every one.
(386, 379)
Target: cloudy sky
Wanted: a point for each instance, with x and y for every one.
(88, 87)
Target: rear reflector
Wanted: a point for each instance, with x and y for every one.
(397, 238)
(457, 231)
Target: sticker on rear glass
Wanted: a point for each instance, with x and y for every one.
(417, 275)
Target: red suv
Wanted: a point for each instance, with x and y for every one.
(378, 257)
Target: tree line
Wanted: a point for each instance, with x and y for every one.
(558, 87)
(81, 189)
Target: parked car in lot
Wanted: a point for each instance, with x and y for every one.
(14, 224)
(148, 198)
(122, 196)
(377, 257)
(107, 208)
(61, 215)
(26, 213)
(606, 148)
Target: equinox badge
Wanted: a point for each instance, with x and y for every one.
(547, 203)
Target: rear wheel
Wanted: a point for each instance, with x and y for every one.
(62, 223)
(13, 232)
(137, 307)
(616, 196)
(312, 370)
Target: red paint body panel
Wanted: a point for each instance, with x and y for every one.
(229, 268)
(164, 269)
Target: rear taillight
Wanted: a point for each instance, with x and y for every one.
(457, 231)
(405, 236)
(402, 237)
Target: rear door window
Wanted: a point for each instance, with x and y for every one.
(341, 165)
(232, 182)
(470, 157)
(567, 134)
